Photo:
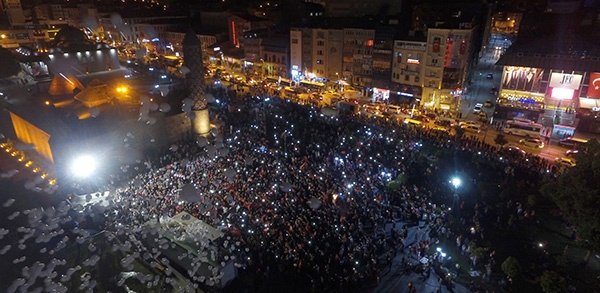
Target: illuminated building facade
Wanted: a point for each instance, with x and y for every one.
(446, 65)
(408, 68)
(316, 53)
(73, 53)
(239, 24)
(558, 86)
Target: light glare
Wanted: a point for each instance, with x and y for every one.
(83, 166)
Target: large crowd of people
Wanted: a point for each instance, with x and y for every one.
(308, 194)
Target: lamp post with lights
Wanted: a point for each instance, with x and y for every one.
(456, 183)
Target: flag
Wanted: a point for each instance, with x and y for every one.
(594, 87)
(436, 45)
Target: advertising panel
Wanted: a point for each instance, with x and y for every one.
(567, 81)
(380, 94)
(562, 131)
(594, 88)
(522, 78)
(562, 93)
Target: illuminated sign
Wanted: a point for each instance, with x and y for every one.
(562, 93)
(381, 94)
(563, 80)
(233, 33)
(412, 61)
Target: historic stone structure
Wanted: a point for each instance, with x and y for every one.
(194, 81)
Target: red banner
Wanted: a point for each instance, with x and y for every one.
(594, 87)
(436, 46)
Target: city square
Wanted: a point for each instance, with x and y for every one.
(126, 169)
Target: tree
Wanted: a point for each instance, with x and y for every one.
(393, 185)
(575, 192)
(552, 282)
(511, 267)
(477, 252)
(10, 66)
(500, 139)
(402, 178)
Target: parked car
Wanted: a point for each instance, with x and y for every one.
(422, 118)
(413, 122)
(488, 104)
(477, 108)
(467, 123)
(572, 142)
(490, 76)
(441, 128)
(475, 128)
(512, 149)
(482, 116)
(566, 162)
(445, 123)
(532, 142)
(572, 152)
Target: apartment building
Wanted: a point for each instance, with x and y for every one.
(126, 29)
(316, 53)
(275, 55)
(14, 12)
(447, 63)
(383, 48)
(173, 39)
(239, 24)
(408, 68)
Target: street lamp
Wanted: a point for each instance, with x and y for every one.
(456, 182)
(83, 166)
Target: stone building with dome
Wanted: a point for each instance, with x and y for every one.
(72, 53)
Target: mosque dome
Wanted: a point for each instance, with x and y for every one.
(70, 34)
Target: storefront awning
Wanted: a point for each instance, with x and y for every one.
(586, 103)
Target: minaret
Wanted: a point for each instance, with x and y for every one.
(194, 82)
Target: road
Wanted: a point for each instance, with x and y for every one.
(479, 91)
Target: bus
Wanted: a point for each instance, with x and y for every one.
(523, 127)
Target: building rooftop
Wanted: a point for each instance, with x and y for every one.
(250, 17)
(567, 51)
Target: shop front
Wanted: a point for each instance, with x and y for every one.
(560, 99)
(405, 93)
(520, 88)
(381, 95)
(521, 100)
(441, 100)
(588, 108)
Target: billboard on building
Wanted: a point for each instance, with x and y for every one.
(594, 87)
(566, 81)
(522, 78)
(562, 93)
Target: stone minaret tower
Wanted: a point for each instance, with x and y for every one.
(194, 82)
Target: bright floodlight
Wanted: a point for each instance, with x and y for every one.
(83, 166)
(455, 182)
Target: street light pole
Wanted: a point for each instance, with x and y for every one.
(456, 182)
